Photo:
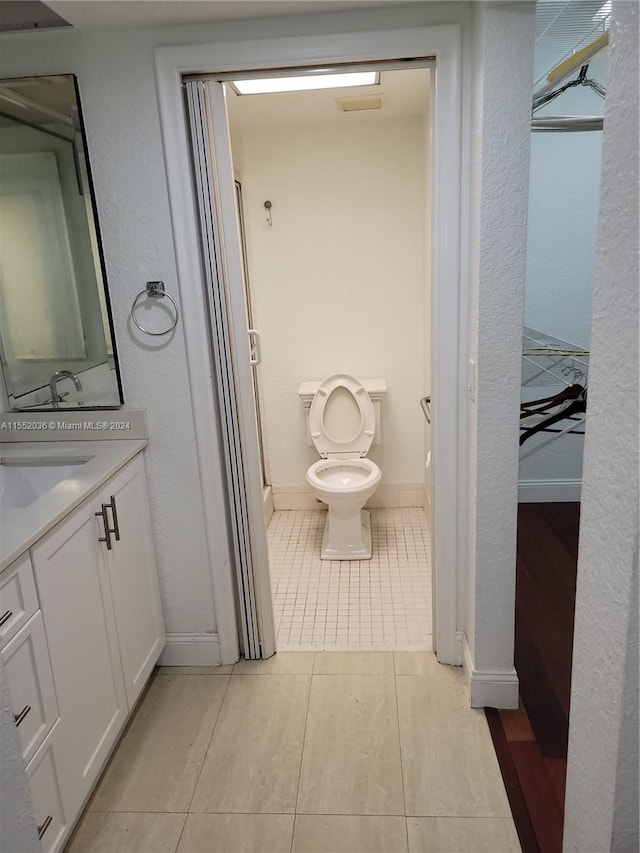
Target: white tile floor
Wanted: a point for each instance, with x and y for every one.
(382, 604)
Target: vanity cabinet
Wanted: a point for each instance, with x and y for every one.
(132, 575)
(73, 585)
(81, 634)
(24, 653)
(46, 794)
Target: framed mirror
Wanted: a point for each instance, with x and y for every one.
(57, 346)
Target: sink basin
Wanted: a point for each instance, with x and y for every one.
(22, 482)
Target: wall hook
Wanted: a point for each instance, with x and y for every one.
(268, 217)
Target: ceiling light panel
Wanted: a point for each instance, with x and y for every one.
(268, 85)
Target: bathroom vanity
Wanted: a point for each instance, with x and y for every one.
(81, 623)
(80, 617)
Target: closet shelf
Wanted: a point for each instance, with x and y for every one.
(551, 362)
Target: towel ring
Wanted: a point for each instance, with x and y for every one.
(154, 289)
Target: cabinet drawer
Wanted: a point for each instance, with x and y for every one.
(46, 798)
(33, 696)
(18, 598)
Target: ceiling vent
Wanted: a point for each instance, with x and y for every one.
(351, 105)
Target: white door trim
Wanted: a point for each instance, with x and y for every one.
(443, 43)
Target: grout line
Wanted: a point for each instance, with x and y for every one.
(404, 801)
(184, 823)
(206, 752)
(304, 738)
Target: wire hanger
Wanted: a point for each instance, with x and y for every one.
(541, 406)
(581, 80)
(577, 406)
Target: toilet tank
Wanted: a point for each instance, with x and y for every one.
(375, 388)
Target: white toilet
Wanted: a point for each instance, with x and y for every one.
(342, 423)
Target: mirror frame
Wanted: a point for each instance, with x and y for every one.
(102, 266)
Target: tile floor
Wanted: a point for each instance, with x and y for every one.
(339, 605)
(326, 752)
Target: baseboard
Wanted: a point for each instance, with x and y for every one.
(426, 502)
(294, 497)
(397, 495)
(467, 660)
(288, 497)
(191, 650)
(549, 491)
(491, 689)
(267, 496)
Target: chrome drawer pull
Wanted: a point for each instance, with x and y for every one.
(44, 826)
(5, 617)
(20, 717)
(107, 537)
(116, 526)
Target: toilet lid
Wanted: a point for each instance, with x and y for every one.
(342, 418)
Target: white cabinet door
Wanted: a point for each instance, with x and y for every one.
(46, 796)
(133, 575)
(33, 695)
(75, 597)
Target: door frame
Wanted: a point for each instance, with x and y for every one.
(443, 43)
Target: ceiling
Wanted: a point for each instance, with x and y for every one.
(18, 15)
(404, 93)
(562, 26)
(95, 14)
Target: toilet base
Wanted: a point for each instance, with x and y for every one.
(356, 545)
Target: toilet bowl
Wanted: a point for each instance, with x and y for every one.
(342, 424)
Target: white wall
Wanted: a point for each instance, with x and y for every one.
(338, 281)
(117, 85)
(601, 810)
(501, 94)
(118, 90)
(120, 110)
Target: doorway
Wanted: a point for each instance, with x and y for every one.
(338, 259)
(334, 221)
(173, 63)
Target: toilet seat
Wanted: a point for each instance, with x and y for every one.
(342, 443)
(343, 476)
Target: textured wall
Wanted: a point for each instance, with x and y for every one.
(338, 281)
(601, 811)
(501, 94)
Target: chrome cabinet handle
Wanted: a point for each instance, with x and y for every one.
(425, 404)
(116, 527)
(5, 617)
(107, 531)
(20, 717)
(46, 823)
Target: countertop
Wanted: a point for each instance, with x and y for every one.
(21, 528)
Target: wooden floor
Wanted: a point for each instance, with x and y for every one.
(531, 744)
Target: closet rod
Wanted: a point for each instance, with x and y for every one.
(566, 124)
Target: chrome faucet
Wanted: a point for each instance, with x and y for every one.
(62, 374)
